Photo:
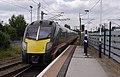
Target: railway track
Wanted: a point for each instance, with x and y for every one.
(31, 71)
(18, 69)
(9, 70)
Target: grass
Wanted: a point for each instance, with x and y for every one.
(13, 51)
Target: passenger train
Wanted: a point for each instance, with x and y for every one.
(40, 40)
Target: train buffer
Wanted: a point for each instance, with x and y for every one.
(78, 66)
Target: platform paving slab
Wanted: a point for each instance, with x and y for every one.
(82, 66)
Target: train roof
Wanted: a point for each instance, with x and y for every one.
(42, 23)
(48, 23)
(68, 30)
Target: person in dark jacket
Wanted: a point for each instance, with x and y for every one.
(85, 44)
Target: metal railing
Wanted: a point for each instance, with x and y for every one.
(110, 43)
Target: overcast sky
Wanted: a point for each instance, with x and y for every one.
(71, 9)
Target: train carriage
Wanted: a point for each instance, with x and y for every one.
(40, 40)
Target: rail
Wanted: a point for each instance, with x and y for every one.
(11, 69)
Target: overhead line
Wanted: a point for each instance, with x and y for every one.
(16, 5)
(94, 5)
(34, 2)
(48, 4)
(43, 7)
(46, 10)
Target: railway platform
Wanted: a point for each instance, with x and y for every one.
(78, 66)
(84, 66)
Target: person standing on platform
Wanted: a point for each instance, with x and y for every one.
(85, 43)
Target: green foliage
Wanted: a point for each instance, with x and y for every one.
(1, 25)
(11, 52)
(12, 33)
(5, 28)
(67, 26)
(19, 23)
(12, 21)
(4, 40)
(113, 28)
(102, 29)
(78, 31)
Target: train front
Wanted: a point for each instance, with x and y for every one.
(37, 45)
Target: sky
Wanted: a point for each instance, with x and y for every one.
(68, 9)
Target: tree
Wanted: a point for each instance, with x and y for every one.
(67, 26)
(78, 31)
(18, 23)
(12, 33)
(4, 40)
(113, 28)
(5, 28)
(102, 29)
(1, 25)
(12, 21)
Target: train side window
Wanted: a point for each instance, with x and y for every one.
(56, 31)
(60, 30)
(62, 33)
(66, 35)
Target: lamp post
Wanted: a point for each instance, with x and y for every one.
(80, 25)
(100, 39)
(87, 12)
(38, 11)
(31, 12)
(80, 18)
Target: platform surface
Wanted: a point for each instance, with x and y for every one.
(82, 66)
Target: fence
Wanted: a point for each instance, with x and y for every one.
(110, 43)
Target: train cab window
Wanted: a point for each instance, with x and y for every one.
(38, 32)
(31, 32)
(45, 32)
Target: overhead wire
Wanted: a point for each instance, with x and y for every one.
(34, 2)
(15, 5)
(42, 7)
(48, 5)
(109, 11)
(47, 10)
(94, 5)
(55, 16)
(104, 13)
(113, 14)
(108, 17)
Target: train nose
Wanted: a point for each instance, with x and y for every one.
(35, 59)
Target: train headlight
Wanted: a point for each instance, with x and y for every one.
(24, 46)
(49, 45)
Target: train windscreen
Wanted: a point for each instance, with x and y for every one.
(45, 32)
(38, 32)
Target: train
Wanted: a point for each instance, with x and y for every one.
(41, 38)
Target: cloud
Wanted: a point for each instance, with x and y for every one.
(71, 9)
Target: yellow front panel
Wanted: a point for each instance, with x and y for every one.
(36, 46)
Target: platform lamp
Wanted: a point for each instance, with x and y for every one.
(31, 12)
